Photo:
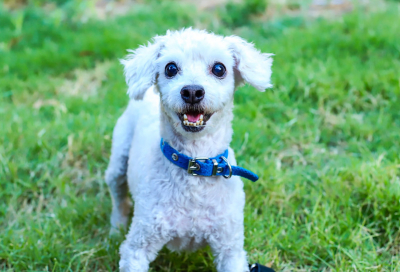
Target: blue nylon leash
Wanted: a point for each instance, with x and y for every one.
(202, 166)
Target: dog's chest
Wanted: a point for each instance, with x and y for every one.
(193, 205)
(181, 205)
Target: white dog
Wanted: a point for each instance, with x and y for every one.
(181, 88)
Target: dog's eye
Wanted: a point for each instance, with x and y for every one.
(171, 70)
(219, 70)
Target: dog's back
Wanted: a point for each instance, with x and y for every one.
(137, 112)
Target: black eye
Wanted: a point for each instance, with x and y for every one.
(171, 70)
(219, 70)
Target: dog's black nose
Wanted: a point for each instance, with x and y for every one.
(192, 93)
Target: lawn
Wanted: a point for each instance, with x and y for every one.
(325, 139)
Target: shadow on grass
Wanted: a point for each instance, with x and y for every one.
(200, 261)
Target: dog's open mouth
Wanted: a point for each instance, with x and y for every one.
(194, 120)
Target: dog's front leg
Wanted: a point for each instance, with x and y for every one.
(231, 260)
(141, 246)
(228, 250)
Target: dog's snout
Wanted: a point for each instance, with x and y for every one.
(192, 94)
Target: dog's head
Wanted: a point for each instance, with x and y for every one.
(196, 74)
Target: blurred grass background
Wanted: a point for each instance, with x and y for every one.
(325, 140)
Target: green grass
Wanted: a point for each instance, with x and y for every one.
(325, 140)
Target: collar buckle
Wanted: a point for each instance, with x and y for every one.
(216, 168)
(194, 166)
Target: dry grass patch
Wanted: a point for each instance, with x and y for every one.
(85, 83)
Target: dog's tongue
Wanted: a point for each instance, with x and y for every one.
(193, 117)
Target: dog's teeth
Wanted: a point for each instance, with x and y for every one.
(201, 117)
(199, 122)
(185, 116)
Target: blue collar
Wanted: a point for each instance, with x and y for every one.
(216, 166)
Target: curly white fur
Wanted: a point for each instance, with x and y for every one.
(172, 207)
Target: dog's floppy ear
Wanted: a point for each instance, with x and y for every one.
(140, 68)
(251, 65)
